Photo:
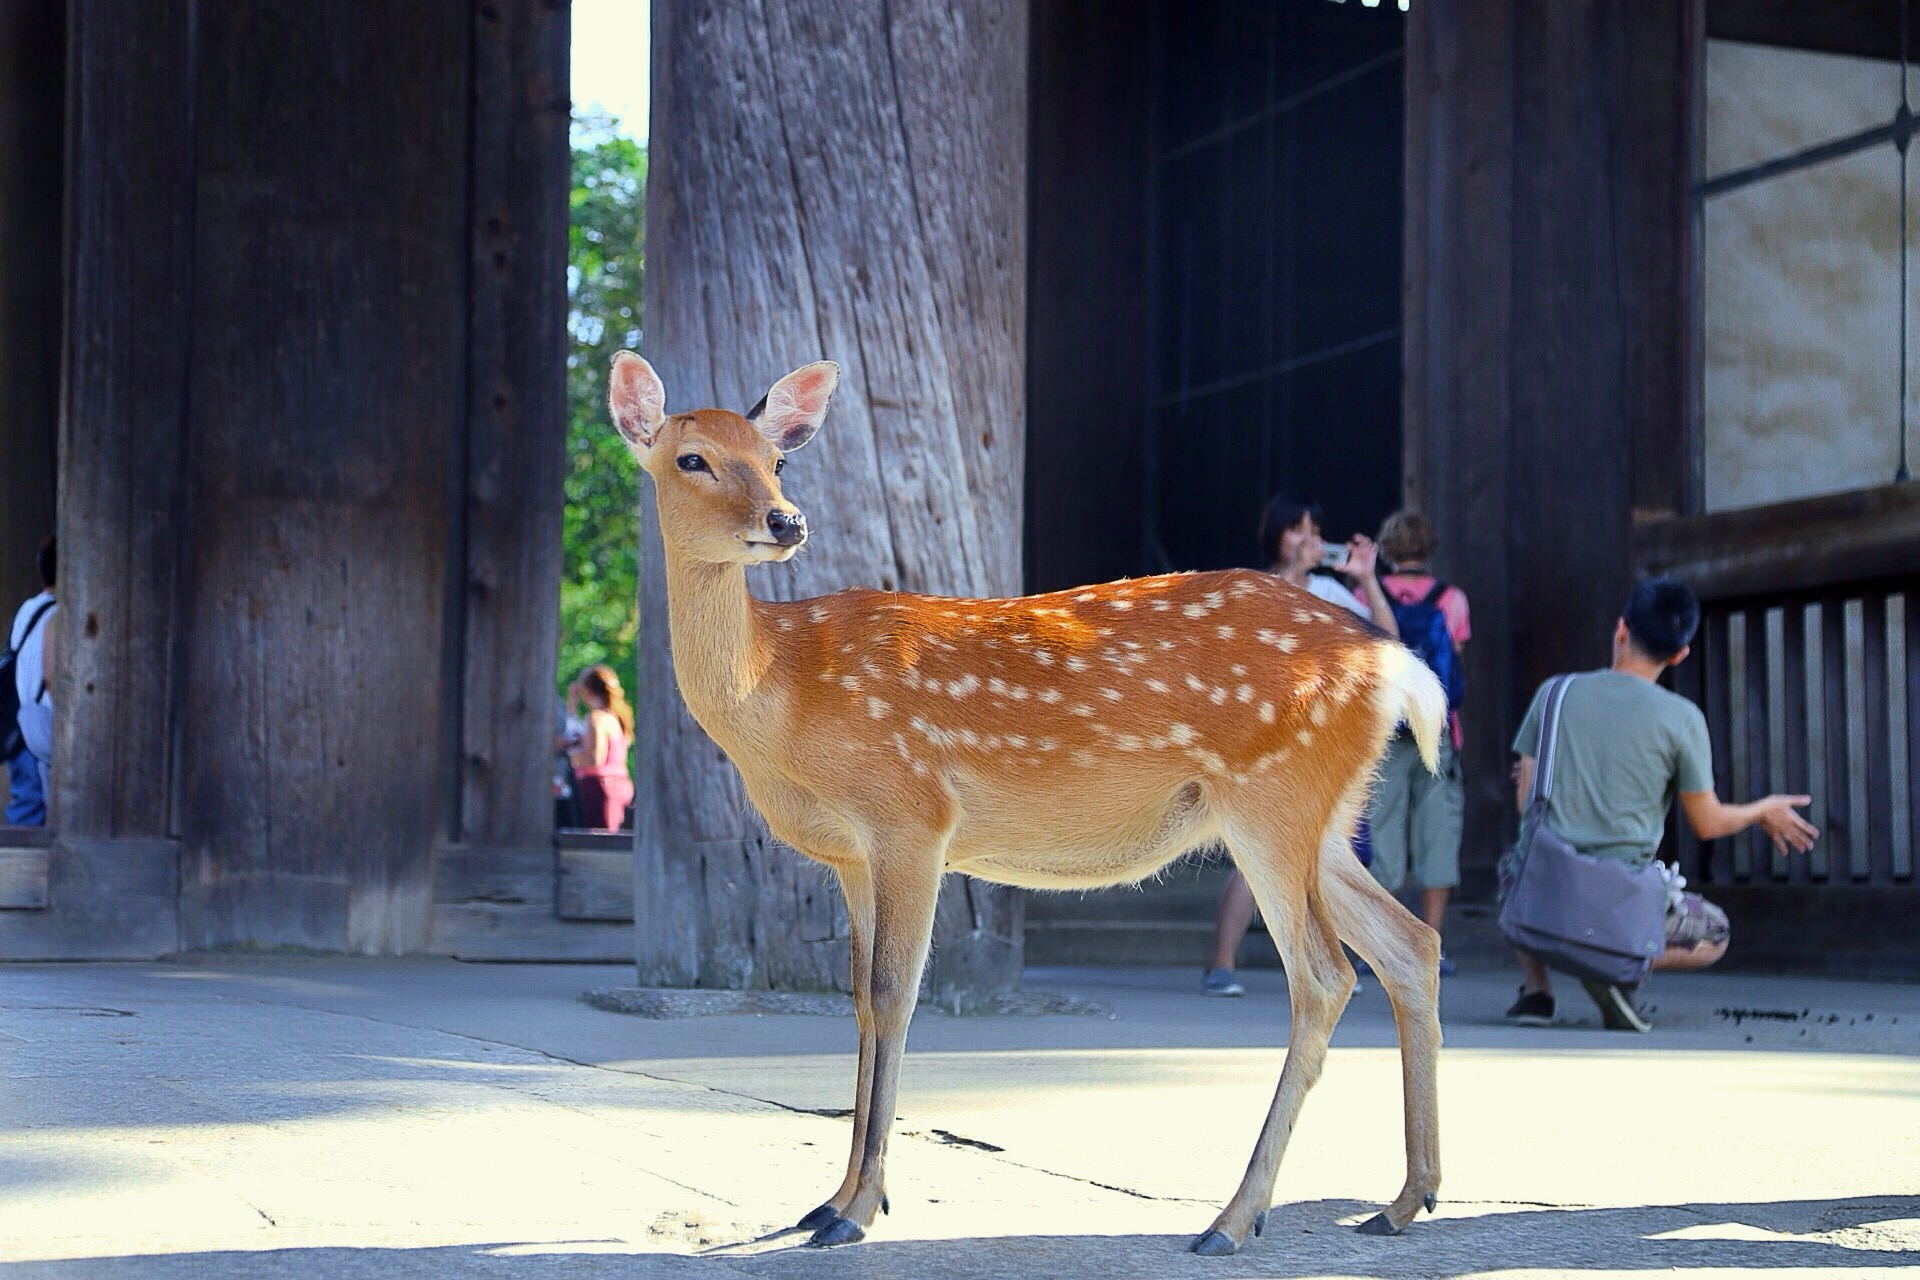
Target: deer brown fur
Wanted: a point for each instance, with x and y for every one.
(1072, 740)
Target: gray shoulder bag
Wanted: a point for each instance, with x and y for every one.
(1594, 918)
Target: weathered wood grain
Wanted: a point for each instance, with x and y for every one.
(107, 899)
(843, 180)
(327, 383)
(23, 878)
(596, 884)
(516, 423)
(123, 432)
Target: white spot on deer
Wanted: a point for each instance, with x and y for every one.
(817, 614)
(1318, 713)
(1017, 741)
(968, 738)
(992, 742)
(1018, 693)
(1239, 669)
(1050, 696)
(1284, 643)
(1241, 587)
(1181, 734)
(1127, 742)
(1195, 610)
(1157, 685)
(997, 687)
(1209, 760)
(1045, 744)
(1306, 738)
(1111, 695)
(1158, 744)
(1266, 713)
(826, 673)
(1214, 599)
(877, 708)
(1165, 644)
(785, 624)
(1219, 695)
(963, 686)
(1080, 709)
(1224, 632)
(1119, 604)
(1195, 683)
(850, 683)
(1085, 596)
(1043, 657)
(1076, 664)
(910, 678)
(1303, 615)
(900, 745)
(1243, 694)
(1081, 756)
(920, 768)
(1161, 606)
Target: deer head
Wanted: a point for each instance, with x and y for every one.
(717, 474)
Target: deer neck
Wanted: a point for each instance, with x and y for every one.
(719, 656)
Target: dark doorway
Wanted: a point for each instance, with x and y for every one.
(1216, 255)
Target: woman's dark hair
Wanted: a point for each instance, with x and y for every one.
(1661, 616)
(1283, 512)
(45, 561)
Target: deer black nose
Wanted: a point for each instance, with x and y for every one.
(789, 528)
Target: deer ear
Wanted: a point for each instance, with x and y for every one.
(637, 400)
(793, 409)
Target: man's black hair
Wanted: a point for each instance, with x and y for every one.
(1283, 512)
(1661, 616)
(45, 561)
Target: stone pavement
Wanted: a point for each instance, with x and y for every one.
(348, 1118)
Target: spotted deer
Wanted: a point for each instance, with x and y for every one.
(1064, 741)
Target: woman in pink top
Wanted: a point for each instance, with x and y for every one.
(599, 756)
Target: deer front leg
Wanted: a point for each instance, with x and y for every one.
(905, 892)
(857, 886)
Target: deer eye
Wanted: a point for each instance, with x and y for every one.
(779, 465)
(691, 462)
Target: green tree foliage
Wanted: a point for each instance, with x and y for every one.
(599, 587)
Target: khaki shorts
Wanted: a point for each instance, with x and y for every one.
(1414, 818)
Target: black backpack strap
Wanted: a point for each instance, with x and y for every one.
(34, 621)
(1438, 589)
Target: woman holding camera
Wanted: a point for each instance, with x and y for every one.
(1291, 545)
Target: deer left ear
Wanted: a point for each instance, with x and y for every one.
(795, 406)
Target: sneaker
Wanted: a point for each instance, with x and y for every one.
(1617, 1011)
(1447, 967)
(1221, 982)
(1532, 1009)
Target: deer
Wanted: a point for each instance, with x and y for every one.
(1072, 740)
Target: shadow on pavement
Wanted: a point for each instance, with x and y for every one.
(1301, 1240)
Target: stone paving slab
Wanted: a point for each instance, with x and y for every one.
(324, 1117)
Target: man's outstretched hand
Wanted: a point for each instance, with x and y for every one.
(1789, 832)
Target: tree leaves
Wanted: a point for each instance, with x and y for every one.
(599, 582)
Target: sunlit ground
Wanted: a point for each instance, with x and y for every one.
(442, 1119)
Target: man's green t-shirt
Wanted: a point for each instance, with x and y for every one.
(1627, 748)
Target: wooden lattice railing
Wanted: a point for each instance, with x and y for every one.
(1814, 692)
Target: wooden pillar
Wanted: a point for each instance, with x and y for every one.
(1546, 392)
(33, 59)
(845, 180)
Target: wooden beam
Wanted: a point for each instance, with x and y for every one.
(23, 878)
(1804, 546)
(107, 899)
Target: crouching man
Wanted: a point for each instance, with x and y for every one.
(1626, 747)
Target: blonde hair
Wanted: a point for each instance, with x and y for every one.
(600, 681)
(1407, 538)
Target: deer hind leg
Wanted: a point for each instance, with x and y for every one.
(856, 883)
(1405, 955)
(1278, 864)
(904, 894)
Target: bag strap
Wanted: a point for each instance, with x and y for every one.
(1438, 589)
(33, 622)
(1549, 740)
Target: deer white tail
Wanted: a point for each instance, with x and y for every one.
(1413, 693)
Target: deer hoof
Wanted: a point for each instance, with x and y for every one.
(888, 1209)
(1260, 1223)
(1214, 1244)
(818, 1218)
(839, 1231)
(1378, 1225)
(1430, 1202)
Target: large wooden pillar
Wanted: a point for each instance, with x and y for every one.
(1546, 393)
(310, 481)
(844, 180)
